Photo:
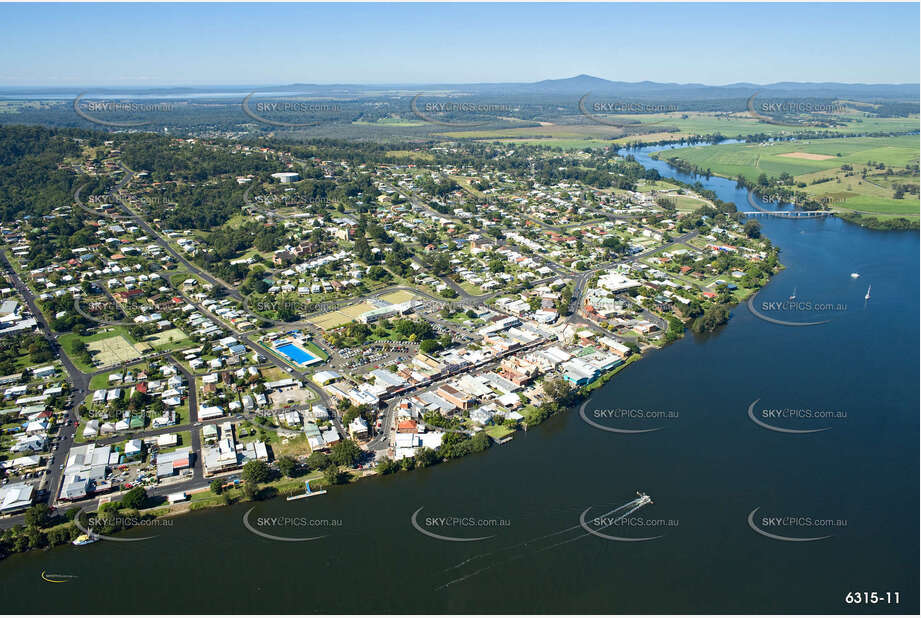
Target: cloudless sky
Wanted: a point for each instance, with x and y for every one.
(265, 44)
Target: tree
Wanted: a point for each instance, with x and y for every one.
(345, 453)
(288, 466)
(752, 229)
(317, 461)
(388, 466)
(714, 317)
(256, 471)
(426, 457)
(37, 516)
(332, 475)
(559, 391)
(429, 346)
(249, 489)
(217, 487)
(134, 499)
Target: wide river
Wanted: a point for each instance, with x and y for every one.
(853, 486)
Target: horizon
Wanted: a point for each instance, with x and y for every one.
(420, 84)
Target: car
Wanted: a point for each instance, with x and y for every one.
(61, 467)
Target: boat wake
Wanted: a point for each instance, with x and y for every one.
(536, 545)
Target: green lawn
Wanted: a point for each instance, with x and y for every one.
(752, 160)
(846, 192)
(498, 432)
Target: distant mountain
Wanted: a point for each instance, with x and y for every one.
(568, 87)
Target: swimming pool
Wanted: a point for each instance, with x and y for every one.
(297, 354)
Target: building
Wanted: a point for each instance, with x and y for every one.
(86, 466)
(168, 464)
(15, 498)
(286, 177)
(453, 396)
(358, 429)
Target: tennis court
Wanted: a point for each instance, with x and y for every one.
(115, 349)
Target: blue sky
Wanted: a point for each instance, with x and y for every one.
(181, 44)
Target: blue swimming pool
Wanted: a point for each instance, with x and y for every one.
(297, 354)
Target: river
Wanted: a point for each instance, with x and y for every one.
(707, 467)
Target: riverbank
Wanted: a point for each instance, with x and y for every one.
(842, 176)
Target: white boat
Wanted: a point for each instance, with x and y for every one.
(867, 297)
(793, 295)
(855, 275)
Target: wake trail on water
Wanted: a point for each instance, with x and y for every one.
(631, 507)
(536, 539)
(582, 536)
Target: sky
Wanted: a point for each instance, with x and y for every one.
(271, 44)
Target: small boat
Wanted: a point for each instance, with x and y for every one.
(867, 297)
(84, 539)
(855, 275)
(793, 295)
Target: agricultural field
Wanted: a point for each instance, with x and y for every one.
(818, 164)
(666, 126)
(798, 157)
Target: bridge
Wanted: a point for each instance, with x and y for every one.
(789, 214)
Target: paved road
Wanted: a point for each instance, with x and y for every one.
(79, 381)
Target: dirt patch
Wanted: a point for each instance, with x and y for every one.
(116, 349)
(806, 155)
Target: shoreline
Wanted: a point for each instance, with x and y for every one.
(285, 486)
(861, 219)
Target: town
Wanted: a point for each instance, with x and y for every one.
(173, 340)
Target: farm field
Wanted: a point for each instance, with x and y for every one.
(665, 126)
(752, 160)
(818, 164)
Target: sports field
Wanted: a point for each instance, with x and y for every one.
(116, 349)
(167, 338)
(400, 296)
(339, 317)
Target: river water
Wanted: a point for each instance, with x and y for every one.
(707, 467)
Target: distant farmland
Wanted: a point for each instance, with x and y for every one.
(818, 164)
